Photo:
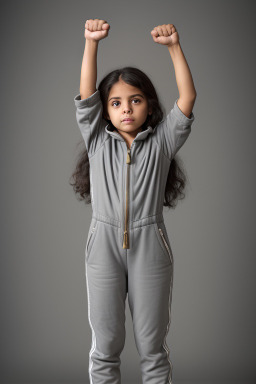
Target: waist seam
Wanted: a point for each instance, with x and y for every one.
(157, 218)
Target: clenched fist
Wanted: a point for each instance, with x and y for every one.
(96, 29)
(165, 34)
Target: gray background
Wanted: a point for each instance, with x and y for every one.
(45, 333)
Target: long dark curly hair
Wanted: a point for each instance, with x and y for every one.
(176, 179)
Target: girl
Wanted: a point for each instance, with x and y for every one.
(129, 171)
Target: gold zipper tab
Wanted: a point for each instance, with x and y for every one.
(126, 240)
(126, 234)
(128, 159)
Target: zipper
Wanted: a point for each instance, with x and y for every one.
(165, 242)
(126, 234)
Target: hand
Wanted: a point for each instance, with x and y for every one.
(165, 34)
(96, 29)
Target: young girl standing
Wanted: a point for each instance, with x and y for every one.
(129, 171)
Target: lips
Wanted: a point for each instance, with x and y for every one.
(128, 119)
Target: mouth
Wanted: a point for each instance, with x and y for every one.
(127, 120)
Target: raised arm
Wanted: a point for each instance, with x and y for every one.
(184, 80)
(167, 34)
(88, 102)
(174, 130)
(89, 69)
(95, 30)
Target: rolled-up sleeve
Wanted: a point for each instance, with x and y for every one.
(90, 121)
(173, 131)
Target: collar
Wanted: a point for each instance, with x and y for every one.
(140, 136)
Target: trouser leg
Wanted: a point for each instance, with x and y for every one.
(106, 291)
(150, 277)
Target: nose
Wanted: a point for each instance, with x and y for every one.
(127, 109)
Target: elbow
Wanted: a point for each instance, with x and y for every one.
(190, 97)
(194, 95)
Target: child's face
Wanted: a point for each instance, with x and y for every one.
(124, 105)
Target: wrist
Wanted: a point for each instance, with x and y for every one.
(174, 50)
(90, 42)
(174, 47)
(91, 47)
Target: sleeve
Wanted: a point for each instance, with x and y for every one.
(90, 121)
(173, 131)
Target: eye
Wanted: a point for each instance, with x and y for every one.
(137, 102)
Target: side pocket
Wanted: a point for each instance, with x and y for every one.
(90, 240)
(164, 243)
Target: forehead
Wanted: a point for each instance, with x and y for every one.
(123, 89)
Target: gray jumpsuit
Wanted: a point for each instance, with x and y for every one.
(127, 248)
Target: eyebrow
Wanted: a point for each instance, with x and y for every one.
(136, 94)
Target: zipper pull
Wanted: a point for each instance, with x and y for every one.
(128, 159)
(126, 240)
